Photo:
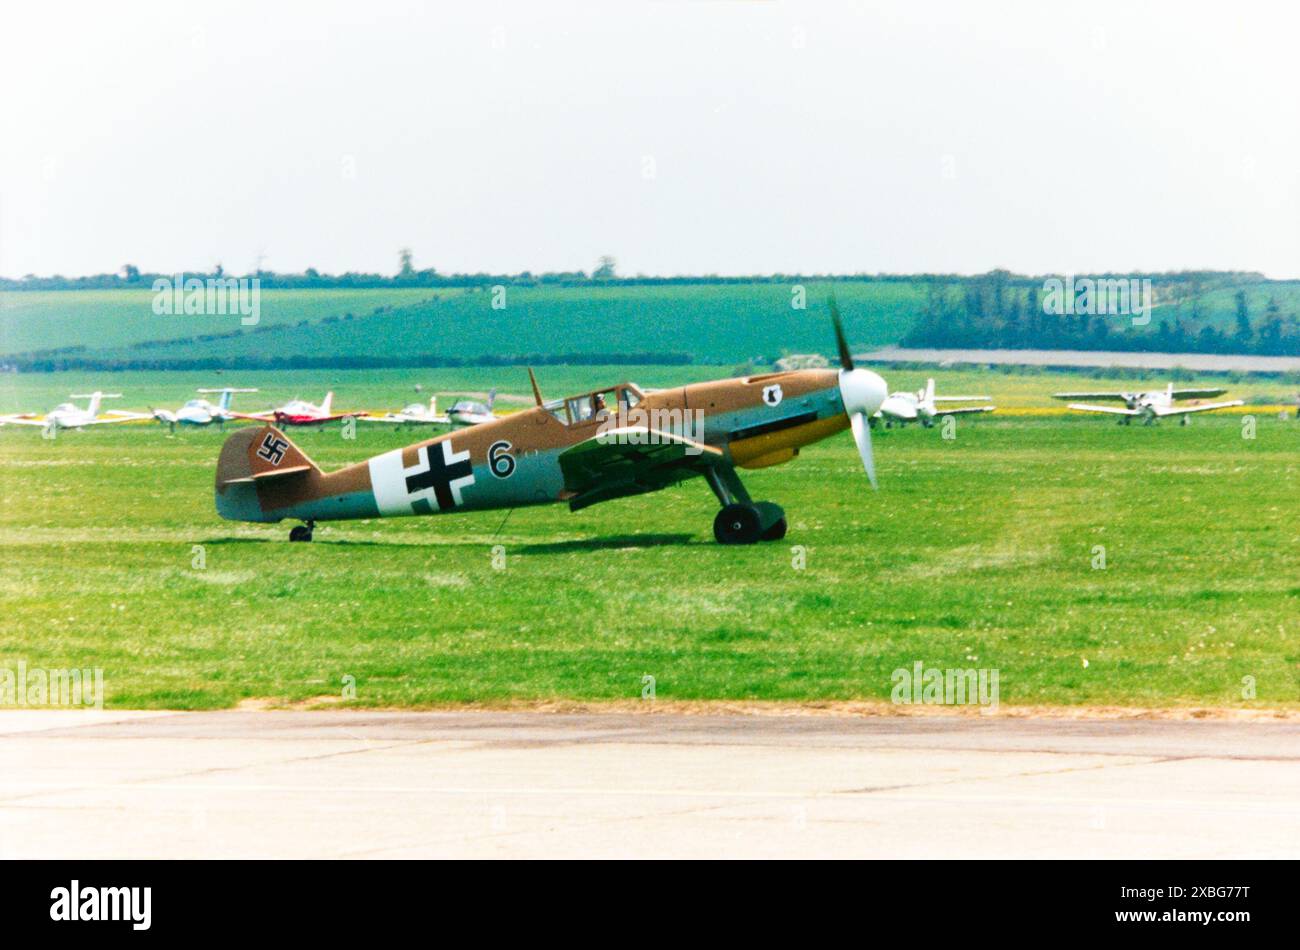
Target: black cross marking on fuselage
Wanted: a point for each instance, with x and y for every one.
(272, 449)
(439, 476)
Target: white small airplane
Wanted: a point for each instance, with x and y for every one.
(923, 405)
(467, 412)
(67, 416)
(299, 412)
(416, 414)
(1152, 406)
(200, 412)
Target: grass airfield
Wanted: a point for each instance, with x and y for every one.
(978, 551)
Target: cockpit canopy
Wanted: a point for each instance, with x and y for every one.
(597, 404)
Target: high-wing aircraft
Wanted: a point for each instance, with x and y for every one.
(923, 405)
(416, 414)
(300, 413)
(584, 449)
(200, 412)
(1152, 406)
(467, 412)
(67, 416)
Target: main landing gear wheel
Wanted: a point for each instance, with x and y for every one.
(739, 523)
(302, 532)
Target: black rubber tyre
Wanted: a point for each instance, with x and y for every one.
(777, 531)
(737, 524)
(300, 533)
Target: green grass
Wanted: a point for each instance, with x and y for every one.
(977, 552)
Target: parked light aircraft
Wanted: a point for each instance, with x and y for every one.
(200, 412)
(467, 412)
(416, 414)
(67, 416)
(582, 450)
(923, 405)
(1151, 406)
(299, 413)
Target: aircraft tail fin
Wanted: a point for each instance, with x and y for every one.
(257, 464)
(260, 454)
(929, 390)
(492, 398)
(433, 405)
(226, 394)
(329, 400)
(96, 399)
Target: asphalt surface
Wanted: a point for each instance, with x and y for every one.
(531, 784)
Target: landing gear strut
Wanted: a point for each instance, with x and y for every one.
(302, 532)
(742, 520)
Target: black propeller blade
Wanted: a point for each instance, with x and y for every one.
(846, 358)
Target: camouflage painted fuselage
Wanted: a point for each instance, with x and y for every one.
(516, 460)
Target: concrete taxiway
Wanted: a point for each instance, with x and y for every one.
(532, 784)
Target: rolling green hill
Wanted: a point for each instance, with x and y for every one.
(706, 322)
(114, 319)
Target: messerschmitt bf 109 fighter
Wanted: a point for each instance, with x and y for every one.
(200, 412)
(1152, 406)
(298, 412)
(593, 447)
(67, 416)
(924, 406)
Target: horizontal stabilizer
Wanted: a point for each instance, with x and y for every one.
(269, 475)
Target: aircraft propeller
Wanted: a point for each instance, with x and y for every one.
(862, 392)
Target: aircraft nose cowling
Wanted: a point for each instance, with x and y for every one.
(862, 391)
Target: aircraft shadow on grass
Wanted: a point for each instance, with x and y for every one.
(548, 547)
(605, 543)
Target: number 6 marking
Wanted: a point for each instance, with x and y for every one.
(500, 461)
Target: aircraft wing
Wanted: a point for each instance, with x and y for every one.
(314, 420)
(254, 416)
(406, 420)
(22, 420)
(958, 410)
(1090, 396)
(1204, 407)
(630, 461)
(1113, 410)
(117, 417)
(961, 398)
(1197, 393)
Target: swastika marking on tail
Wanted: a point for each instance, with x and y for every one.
(273, 449)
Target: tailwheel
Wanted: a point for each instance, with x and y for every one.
(302, 532)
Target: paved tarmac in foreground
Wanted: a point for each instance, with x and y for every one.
(534, 784)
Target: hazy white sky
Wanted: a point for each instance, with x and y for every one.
(681, 137)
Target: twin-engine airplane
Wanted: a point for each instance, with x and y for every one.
(1151, 406)
(585, 449)
(67, 416)
(923, 405)
(299, 413)
(200, 412)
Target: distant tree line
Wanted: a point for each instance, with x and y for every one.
(1001, 311)
(133, 279)
(69, 360)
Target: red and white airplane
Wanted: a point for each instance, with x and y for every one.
(298, 412)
